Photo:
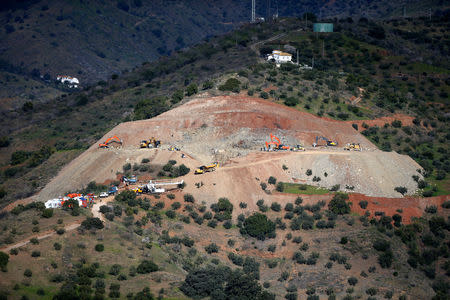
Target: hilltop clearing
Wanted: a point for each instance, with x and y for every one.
(232, 130)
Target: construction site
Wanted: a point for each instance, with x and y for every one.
(232, 143)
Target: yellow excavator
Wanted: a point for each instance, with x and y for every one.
(353, 146)
(204, 169)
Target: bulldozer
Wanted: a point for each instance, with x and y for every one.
(298, 148)
(329, 143)
(209, 168)
(353, 146)
(144, 144)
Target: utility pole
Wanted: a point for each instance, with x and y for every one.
(306, 21)
(323, 48)
(312, 64)
(253, 11)
(430, 14)
(297, 58)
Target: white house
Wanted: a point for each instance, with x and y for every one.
(280, 56)
(72, 82)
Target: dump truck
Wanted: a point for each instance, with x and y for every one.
(209, 168)
(353, 147)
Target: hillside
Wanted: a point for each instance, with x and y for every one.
(94, 39)
(326, 91)
(322, 222)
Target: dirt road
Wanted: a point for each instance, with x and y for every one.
(41, 236)
(96, 207)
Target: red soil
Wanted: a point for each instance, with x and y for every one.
(406, 121)
(231, 113)
(411, 207)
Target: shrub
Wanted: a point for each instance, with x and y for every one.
(57, 246)
(232, 85)
(401, 189)
(28, 273)
(4, 258)
(115, 269)
(275, 207)
(338, 205)
(363, 204)
(92, 223)
(259, 226)
(308, 172)
(243, 205)
(381, 245)
(212, 223)
(352, 281)
(147, 266)
(227, 224)
(35, 253)
(263, 186)
(189, 198)
(431, 209)
(344, 240)
(289, 207)
(280, 187)
(99, 247)
(272, 180)
(47, 213)
(212, 248)
(371, 291)
(14, 251)
(297, 239)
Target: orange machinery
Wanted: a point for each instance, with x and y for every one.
(113, 139)
(274, 140)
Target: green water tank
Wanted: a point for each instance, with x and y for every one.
(323, 27)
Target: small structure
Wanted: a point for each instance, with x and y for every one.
(280, 57)
(53, 203)
(323, 27)
(72, 82)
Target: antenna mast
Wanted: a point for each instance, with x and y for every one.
(253, 11)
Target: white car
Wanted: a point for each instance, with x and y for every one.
(104, 195)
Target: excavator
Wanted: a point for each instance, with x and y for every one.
(113, 139)
(353, 146)
(277, 144)
(329, 142)
(204, 169)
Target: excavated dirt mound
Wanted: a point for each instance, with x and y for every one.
(232, 130)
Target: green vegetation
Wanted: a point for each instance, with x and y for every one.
(222, 282)
(259, 226)
(4, 258)
(338, 204)
(296, 188)
(232, 85)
